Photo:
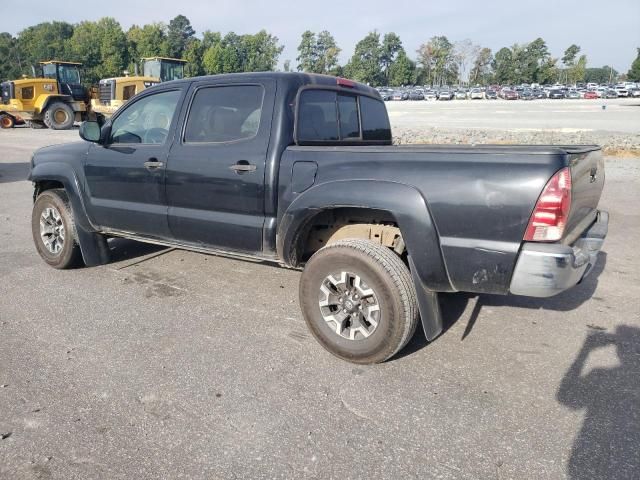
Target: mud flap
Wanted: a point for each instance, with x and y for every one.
(94, 247)
(428, 304)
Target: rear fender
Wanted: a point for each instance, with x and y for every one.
(410, 210)
(92, 245)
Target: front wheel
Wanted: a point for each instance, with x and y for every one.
(7, 121)
(59, 116)
(54, 231)
(358, 300)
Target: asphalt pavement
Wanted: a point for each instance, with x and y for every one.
(172, 364)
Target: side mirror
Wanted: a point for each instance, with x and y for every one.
(90, 131)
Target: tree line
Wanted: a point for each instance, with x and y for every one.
(106, 50)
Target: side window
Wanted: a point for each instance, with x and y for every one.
(317, 116)
(375, 122)
(146, 121)
(224, 114)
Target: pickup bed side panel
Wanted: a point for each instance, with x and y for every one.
(477, 201)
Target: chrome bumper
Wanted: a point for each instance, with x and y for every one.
(546, 269)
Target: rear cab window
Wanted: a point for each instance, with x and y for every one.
(334, 116)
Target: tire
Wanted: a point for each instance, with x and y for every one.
(7, 121)
(388, 315)
(59, 116)
(52, 216)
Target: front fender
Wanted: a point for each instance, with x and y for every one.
(92, 245)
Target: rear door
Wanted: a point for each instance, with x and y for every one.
(125, 177)
(216, 169)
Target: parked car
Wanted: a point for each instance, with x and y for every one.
(461, 95)
(476, 93)
(491, 94)
(621, 90)
(508, 94)
(430, 95)
(590, 95)
(556, 93)
(446, 95)
(634, 92)
(416, 95)
(399, 96)
(539, 93)
(214, 164)
(572, 94)
(527, 94)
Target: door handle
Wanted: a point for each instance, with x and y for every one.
(153, 164)
(242, 167)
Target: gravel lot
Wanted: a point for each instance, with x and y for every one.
(616, 126)
(170, 364)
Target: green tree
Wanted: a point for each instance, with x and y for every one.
(481, 70)
(45, 41)
(193, 56)
(262, 52)
(401, 71)
(317, 54)
(307, 52)
(147, 41)
(633, 75)
(603, 74)
(504, 66)
(570, 54)
(10, 62)
(365, 64)
(179, 34)
(437, 60)
(327, 53)
(390, 50)
(102, 47)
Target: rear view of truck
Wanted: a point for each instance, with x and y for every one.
(565, 231)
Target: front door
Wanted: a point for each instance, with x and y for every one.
(126, 176)
(216, 170)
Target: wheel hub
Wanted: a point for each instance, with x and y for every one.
(349, 306)
(52, 230)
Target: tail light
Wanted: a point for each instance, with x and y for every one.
(343, 82)
(552, 210)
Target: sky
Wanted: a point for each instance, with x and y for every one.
(607, 33)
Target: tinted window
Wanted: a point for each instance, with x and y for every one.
(348, 111)
(317, 117)
(224, 114)
(375, 123)
(146, 121)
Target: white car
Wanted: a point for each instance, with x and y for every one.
(621, 91)
(476, 93)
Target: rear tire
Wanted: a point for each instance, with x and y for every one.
(59, 116)
(7, 121)
(358, 300)
(54, 230)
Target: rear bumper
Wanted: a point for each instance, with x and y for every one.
(546, 269)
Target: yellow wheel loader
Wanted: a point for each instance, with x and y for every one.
(112, 93)
(56, 100)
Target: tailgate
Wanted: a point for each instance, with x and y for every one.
(587, 180)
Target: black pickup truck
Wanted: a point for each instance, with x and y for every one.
(300, 170)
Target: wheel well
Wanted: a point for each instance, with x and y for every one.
(335, 224)
(43, 185)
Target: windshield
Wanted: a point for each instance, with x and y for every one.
(64, 73)
(164, 70)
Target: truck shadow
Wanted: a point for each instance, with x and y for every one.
(123, 249)
(607, 444)
(453, 305)
(14, 172)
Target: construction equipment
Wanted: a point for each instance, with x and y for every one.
(112, 93)
(56, 100)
